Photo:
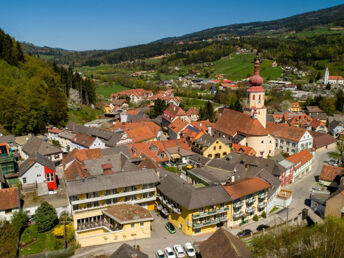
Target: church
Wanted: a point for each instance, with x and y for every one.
(333, 80)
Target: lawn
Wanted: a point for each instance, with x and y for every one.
(44, 241)
(107, 90)
(83, 114)
(242, 66)
(190, 102)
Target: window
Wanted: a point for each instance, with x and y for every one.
(142, 224)
(38, 175)
(262, 141)
(220, 147)
(24, 180)
(56, 156)
(50, 177)
(214, 148)
(132, 225)
(210, 156)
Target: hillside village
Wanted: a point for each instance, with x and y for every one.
(127, 175)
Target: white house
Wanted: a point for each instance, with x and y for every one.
(9, 202)
(302, 163)
(334, 79)
(84, 141)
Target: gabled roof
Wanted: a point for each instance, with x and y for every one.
(7, 139)
(35, 144)
(127, 251)
(83, 139)
(335, 78)
(82, 155)
(189, 197)
(244, 149)
(229, 124)
(285, 131)
(321, 139)
(316, 123)
(314, 109)
(9, 198)
(37, 158)
(300, 158)
(172, 111)
(192, 111)
(177, 125)
(245, 187)
(222, 244)
(329, 173)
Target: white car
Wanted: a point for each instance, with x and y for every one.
(160, 254)
(178, 249)
(190, 250)
(169, 252)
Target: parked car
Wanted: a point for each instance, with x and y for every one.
(262, 226)
(178, 249)
(190, 250)
(333, 162)
(170, 228)
(245, 232)
(169, 252)
(160, 254)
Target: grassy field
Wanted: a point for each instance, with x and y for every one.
(83, 114)
(106, 90)
(44, 241)
(241, 66)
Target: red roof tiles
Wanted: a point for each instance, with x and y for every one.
(300, 158)
(9, 198)
(329, 173)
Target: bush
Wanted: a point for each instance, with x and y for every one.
(172, 169)
(264, 214)
(255, 217)
(45, 217)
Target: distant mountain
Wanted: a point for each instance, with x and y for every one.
(333, 16)
(329, 17)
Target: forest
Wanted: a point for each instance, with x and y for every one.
(33, 92)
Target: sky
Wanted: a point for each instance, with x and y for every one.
(110, 24)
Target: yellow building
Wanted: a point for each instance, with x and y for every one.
(249, 198)
(121, 222)
(211, 147)
(193, 210)
(295, 107)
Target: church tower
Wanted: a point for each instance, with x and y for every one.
(327, 73)
(255, 97)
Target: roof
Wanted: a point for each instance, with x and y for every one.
(28, 163)
(206, 140)
(83, 139)
(198, 158)
(140, 134)
(172, 111)
(82, 155)
(314, 109)
(189, 197)
(321, 139)
(300, 158)
(126, 213)
(246, 186)
(9, 198)
(335, 78)
(228, 124)
(107, 182)
(35, 144)
(223, 244)
(177, 125)
(55, 130)
(329, 173)
(285, 131)
(192, 111)
(244, 149)
(136, 92)
(91, 131)
(7, 139)
(127, 251)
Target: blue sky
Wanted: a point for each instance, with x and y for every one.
(108, 24)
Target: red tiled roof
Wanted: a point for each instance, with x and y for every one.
(329, 173)
(246, 186)
(295, 105)
(322, 139)
(82, 155)
(244, 149)
(140, 134)
(172, 111)
(192, 111)
(55, 130)
(9, 198)
(300, 158)
(316, 123)
(83, 139)
(177, 125)
(136, 92)
(335, 78)
(285, 131)
(232, 122)
(133, 112)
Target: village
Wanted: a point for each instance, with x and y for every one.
(176, 183)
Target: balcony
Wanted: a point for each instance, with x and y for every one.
(238, 214)
(250, 200)
(250, 209)
(262, 205)
(262, 195)
(176, 210)
(210, 213)
(206, 223)
(238, 204)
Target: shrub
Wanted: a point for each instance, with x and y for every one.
(264, 214)
(45, 217)
(255, 217)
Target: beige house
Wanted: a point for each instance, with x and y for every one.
(211, 147)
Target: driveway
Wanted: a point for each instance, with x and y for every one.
(160, 238)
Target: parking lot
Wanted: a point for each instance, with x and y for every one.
(160, 239)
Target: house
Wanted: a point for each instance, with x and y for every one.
(7, 165)
(193, 113)
(335, 204)
(335, 128)
(243, 149)
(127, 251)
(211, 147)
(83, 141)
(9, 202)
(176, 127)
(223, 244)
(122, 222)
(131, 115)
(290, 139)
(249, 198)
(316, 112)
(35, 144)
(65, 140)
(302, 163)
(323, 141)
(135, 95)
(167, 96)
(193, 210)
(172, 113)
(334, 79)
(318, 126)
(331, 175)
(295, 107)
(53, 134)
(38, 169)
(301, 120)
(291, 87)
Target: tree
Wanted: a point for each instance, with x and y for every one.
(285, 105)
(159, 106)
(57, 106)
(207, 112)
(328, 105)
(337, 155)
(8, 239)
(19, 220)
(45, 217)
(340, 100)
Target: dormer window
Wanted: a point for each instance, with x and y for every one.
(133, 149)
